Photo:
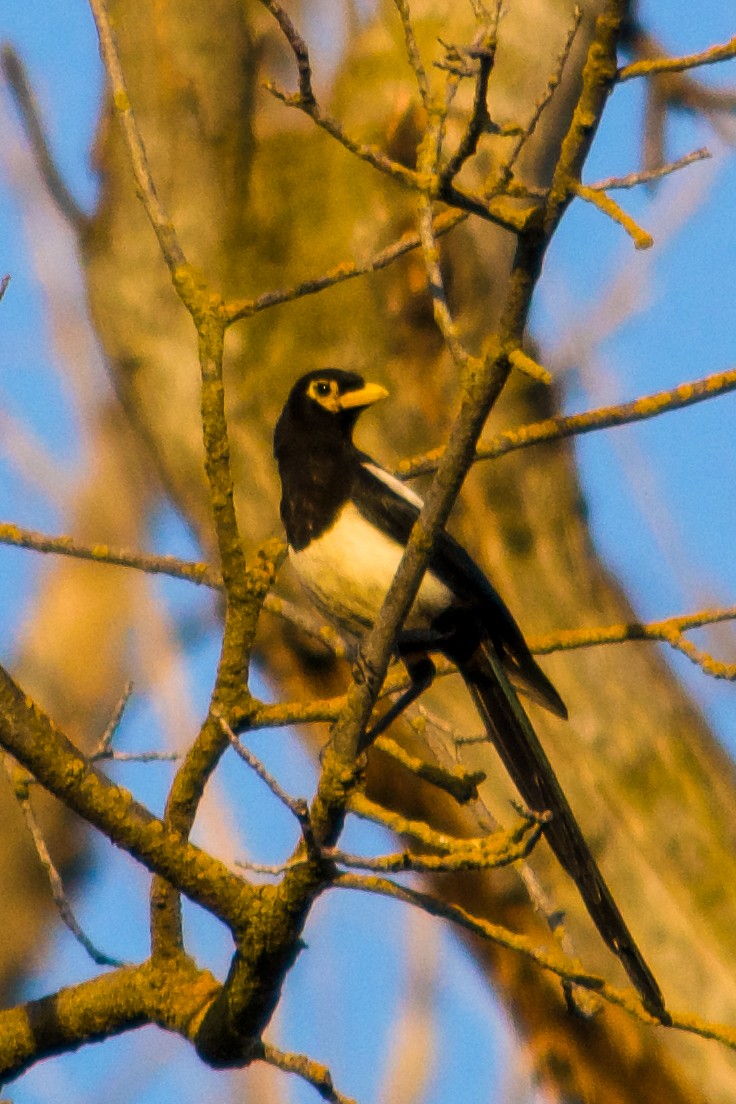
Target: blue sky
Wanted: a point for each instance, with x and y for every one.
(680, 328)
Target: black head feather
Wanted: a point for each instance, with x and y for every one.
(313, 444)
(307, 409)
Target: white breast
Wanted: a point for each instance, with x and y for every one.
(349, 569)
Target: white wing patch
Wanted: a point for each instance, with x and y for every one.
(395, 484)
(348, 570)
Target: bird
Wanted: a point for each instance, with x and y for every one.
(347, 522)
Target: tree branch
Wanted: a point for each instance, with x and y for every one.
(20, 87)
(163, 227)
(31, 738)
(604, 417)
(680, 64)
(553, 961)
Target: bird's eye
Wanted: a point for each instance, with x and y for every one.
(322, 388)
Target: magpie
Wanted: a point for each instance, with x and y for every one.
(347, 522)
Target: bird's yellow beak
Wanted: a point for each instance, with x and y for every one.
(365, 396)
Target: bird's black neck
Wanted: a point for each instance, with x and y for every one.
(317, 472)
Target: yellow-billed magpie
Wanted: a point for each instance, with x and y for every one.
(347, 521)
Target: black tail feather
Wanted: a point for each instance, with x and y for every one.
(532, 773)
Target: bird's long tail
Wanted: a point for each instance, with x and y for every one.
(532, 773)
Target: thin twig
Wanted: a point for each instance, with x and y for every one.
(604, 417)
(4, 285)
(20, 87)
(632, 180)
(503, 182)
(456, 737)
(314, 1072)
(460, 783)
(412, 51)
(446, 845)
(297, 806)
(103, 750)
(566, 969)
(678, 65)
(272, 868)
(485, 853)
(503, 214)
(553, 83)
(305, 100)
(669, 630)
(299, 48)
(367, 152)
(524, 363)
(162, 225)
(480, 121)
(347, 270)
(419, 830)
(43, 749)
(608, 206)
(552, 429)
(201, 574)
(20, 781)
(708, 664)
(429, 157)
(139, 756)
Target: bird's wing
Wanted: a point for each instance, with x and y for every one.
(501, 656)
(386, 502)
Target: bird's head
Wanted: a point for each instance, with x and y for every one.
(324, 403)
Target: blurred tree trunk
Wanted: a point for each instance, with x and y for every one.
(72, 659)
(261, 199)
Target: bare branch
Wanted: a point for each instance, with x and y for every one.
(669, 630)
(20, 87)
(170, 994)
(486, 853)
(419, 830)
(112, 756)
(480, 121)
(546, 97)
(299, 48)
(104, 747)
(304, 100)
(503, 214)
(272, 868)
(428, 165)
(566, 969)
(632, 180)
(678, 65)
(30, 737)
(460, 784)
(201, 574)
(604, 203)
(347, 270)
(604, 417)
(162, 225)
(20, 781)
(524, 363)
(297, 806)
(412, 51)
(316, 1074)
